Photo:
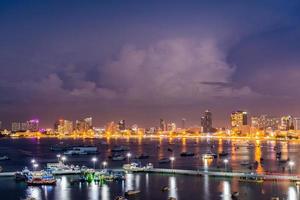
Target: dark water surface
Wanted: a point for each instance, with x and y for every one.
(21, 151)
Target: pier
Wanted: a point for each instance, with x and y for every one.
(224, 174)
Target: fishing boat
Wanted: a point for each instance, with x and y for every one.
(187, 154)
(132, 192)
(251, 179)
(164, 160)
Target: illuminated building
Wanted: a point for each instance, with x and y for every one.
(239, 118)
(63, 127)
(33, 125)
(171, 127)
(297, 123)
(286, 123)
(122, 126)
(134, 128)
(162, 125)
(19, 126)
(263, 122)
(84, 125)
(206, 122)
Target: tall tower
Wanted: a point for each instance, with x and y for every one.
(206, 122)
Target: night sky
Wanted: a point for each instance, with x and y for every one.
(145, 60)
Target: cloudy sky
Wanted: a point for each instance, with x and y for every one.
(141, 60)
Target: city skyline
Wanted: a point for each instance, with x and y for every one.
(141, 61)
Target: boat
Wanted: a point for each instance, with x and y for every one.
(142, 156)
(22, 175)
(245, 163)
(209, 156)
(87, 149)
(2, 158)
(235, 195)
(187, 154)
(118, 158)
(165, 188)
(75, 152)
(251, 179)
(119, 149)
(41, 178)
(120, 198)
(132, 192)
(164, 160)
(223, 154)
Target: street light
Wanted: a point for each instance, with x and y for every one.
(172, 159)
(64, 158)
(35, 165)
(32, 161)
(291, 164)
(225, 162)
(94, 160)
(128, 156)
(104, 164)
(58, 157)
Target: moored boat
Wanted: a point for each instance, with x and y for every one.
(41, 178)
(164, 160)
(187, 154)
(132, 192)
(251, 179)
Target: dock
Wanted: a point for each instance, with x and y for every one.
(224, 174)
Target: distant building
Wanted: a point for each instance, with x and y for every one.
(63, 127)
(171, 127)
(84, 125)
(206, 122)
(263, 122)
(239, 118)
(33, 125)
(162, 125)
(286, 123)
(183, 120)
(297, 123)
(122, 125)
(0, 125)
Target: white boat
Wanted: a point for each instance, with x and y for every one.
(87, 149)
(75, 152)
(118, 158)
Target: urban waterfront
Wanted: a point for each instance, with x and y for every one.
(22, 150)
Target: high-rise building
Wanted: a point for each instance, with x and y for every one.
(33, 125)
(122, 126)
(297, 123)
(286, 123)
(183, 120)
(263, 122)
(206, 122)
(84, 125)
(162, 125)
(239, 118)
(63, 127)
(15, 126)
(171, 127)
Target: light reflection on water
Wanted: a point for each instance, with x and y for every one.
(226, 195)
(173, 187)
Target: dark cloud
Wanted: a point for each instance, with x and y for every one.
(117, 60)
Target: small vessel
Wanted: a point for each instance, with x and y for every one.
(245, 163)
(187, 154)
(251, 179)
(22, 175)
(118, 158)
(120, 198)
(142, 156)
(132, 192)
(209, 156)
(2, 158)
(75, 152)
(165, 188)
(41, 178)
(119, 149)
(223, 154)
(164, 160)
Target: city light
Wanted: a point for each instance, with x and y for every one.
(63, 158)
(32, 161)
(172, 159)
(104, 164)
(35, 165)
(94, 160)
